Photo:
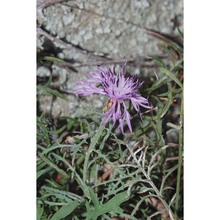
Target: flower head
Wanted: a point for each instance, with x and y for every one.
(120, 88)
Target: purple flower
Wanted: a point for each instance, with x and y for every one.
(120, 88)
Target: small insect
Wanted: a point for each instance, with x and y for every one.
(108, 105)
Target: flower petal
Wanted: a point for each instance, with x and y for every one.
(120, 88)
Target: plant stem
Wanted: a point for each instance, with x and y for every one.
(180, 160)
(94, 141)
(158, 194)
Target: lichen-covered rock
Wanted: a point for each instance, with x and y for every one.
(99, 30)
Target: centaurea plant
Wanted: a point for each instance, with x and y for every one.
(120, 88)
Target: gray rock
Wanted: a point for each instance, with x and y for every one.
(114, 28)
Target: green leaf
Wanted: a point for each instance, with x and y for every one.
(53, 59)
(94, 142)
(169, 51)
(58, 130)
(162, 81)
(40, 211)
(43, 171)
(44, 90)
(82, 185)
(168, 103)
(172, 76)
(49, 81)
(65, 211)
(113, 205)
(94, 198)
(158, 61)
(180, 33)
(51, 164)
(64, 194)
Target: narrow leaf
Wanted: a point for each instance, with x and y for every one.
(44, 90)
(65, 211)
(172, 76)
(62, 172)
(112, 205)
(53, 59)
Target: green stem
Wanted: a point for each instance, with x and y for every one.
(180, 160)
(94, 141)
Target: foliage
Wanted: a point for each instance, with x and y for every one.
(88, 171)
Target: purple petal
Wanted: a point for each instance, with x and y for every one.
(120, 87)
(127, 117)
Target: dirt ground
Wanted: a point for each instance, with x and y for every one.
(108, 32)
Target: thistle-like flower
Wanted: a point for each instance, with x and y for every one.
(120, 88)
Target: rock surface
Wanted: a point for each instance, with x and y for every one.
(85, 33)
